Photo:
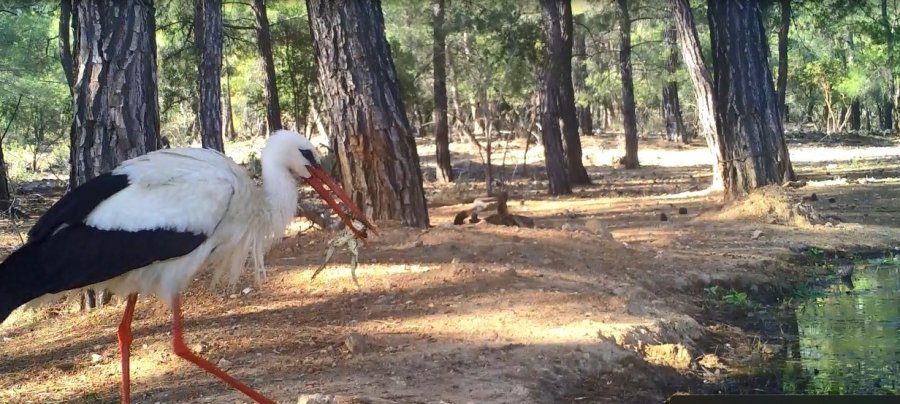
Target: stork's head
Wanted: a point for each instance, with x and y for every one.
(289, 150)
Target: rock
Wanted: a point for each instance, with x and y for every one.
(358, 343)
(455, 260)
(673, 355)
(246, 291)
(568, 227)
(756, 234)
(224, 363)
(710, 361)
(96, 358)
(317, 398)
(832, 200)
(682, 211)
(598, 228)
(198, 347)
(663, 217)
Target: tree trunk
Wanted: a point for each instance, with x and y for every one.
(6, 196)
(208, 36)
(887, 121)
(441, 125)
(630, 160)
(675, 130)
(579, 76)
(264, 46)
(692, 55)
(561, 54)
(115, 95)
(230, 133)
(375, 148)
(65, 26)
(551, 134)
(747, 115)
(783, 56)
(116, 106)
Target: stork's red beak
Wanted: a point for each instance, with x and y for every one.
(318, 179)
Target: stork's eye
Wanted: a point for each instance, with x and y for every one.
(308, 154)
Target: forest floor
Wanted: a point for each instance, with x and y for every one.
(601, 302)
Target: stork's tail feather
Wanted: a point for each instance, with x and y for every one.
(20, 280)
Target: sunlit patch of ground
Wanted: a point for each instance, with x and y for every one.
(476, 312)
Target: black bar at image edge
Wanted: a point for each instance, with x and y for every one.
(772, 399)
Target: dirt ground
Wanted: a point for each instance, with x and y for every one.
(602, 301)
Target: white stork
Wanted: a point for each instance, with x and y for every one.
(156, 220)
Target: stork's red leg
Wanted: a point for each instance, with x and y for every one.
(182, 350)
(124, 337)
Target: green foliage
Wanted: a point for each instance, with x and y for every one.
(737, 298)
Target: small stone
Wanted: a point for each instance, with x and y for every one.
(224, 363)
(95, 358)
(568, 227)
(198, 347)
(455, 260)
(682, 211)
(829, 224)
(246, 291)
(358, 343)
(233, 296)
(832, 200)
(663, 217)
(756, 234)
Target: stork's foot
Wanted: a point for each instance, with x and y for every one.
(182, 350)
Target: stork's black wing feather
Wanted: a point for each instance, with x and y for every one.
(81, 255)
(75, 206)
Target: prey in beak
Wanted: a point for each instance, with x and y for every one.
(318, 180)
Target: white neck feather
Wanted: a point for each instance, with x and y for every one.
(280, 189)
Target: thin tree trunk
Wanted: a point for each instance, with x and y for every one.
(264, 46)
(747, 113)
(441, 125)
(887, 122)
(783, 56)
(561, 54)
(376, 151)
(579, 76)
(630, 160)
(675, 130)
(5, 195)
(550, 96)
(692, 55)
(65, 59)
(230, 133)
(209, 35)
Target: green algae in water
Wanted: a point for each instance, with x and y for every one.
(849, 337)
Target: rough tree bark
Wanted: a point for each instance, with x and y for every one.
(441, 125)
(264, 46)
(630, 160)
(208, 35)
(561, 53)
(783, 56)
(551, 135)
(692, 56)
(376, 151)
(747, 115)
(116, 110)
(579, 76)
(116, 107)
(675, 130)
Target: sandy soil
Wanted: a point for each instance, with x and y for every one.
(601, 302)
